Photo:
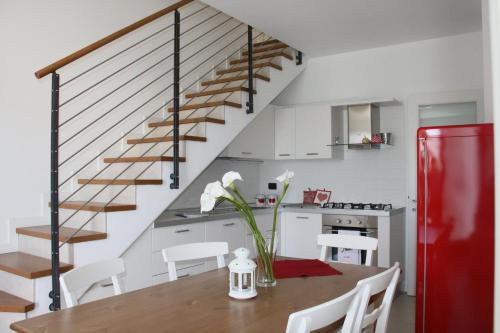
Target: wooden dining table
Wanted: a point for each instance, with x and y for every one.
(199, 304)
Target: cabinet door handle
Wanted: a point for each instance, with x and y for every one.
(283, 154)
(182, 230)
(228, 224)
(303, 217)
(246, 153)
(183, 276)
(312, 154)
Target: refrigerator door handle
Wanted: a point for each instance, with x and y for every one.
(426, 187)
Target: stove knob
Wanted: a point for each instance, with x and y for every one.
(360, 223)
(339, 221)
(349, 221)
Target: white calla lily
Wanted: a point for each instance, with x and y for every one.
(207, 202)
(216, 190)
(285, 177)
(213, 191)
(229, 178)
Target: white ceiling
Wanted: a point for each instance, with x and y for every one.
(322, 27)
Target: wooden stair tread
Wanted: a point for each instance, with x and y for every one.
(11, 303)
(267, 42)
(187, 107)
(261, 57)
(273, 47)
(105, 181)
(29, 266)
(142, 159)
(65, 234)
(95, 206)
(193, 120)
(245, 68)
(168, 138)
(235, 78)
(218, 91)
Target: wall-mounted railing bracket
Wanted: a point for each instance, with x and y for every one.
(298, 58)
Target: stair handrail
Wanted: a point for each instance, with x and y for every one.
(108, 39)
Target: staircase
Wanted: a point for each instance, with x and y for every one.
(140, 156)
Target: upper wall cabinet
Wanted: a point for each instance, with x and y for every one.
(313, 132)
(306, 132)
(284, 138)
(257, 139)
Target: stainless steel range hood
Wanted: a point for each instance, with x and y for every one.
(362, 121)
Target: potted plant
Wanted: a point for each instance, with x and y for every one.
(265, 246)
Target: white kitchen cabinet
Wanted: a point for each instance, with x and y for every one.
(284, 137)
(313, 132)
(257, 139)
(300, 235)
(177, 235)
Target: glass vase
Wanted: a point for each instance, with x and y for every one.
(265, 257)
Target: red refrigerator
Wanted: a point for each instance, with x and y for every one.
(455, 229)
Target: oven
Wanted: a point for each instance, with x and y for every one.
(350, 225)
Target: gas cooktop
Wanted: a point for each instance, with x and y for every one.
(364, 206)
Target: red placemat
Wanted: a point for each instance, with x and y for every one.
(300, 268)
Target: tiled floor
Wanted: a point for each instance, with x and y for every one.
(402, 317)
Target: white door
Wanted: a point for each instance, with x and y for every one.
(431, 110)
(284, 134)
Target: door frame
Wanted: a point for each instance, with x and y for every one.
(412, 124)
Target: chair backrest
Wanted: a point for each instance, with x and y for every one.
(193, 251)
(322, 315)
(387, 281)
(369, 244)
(83, 277)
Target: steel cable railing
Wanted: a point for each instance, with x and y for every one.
(130, 165)
(205, 40)
(128, 48)
(155, 111)
(128, 66)
(143, 171)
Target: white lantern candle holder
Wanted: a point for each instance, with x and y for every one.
(242, 275)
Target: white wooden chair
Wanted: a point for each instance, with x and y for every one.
(368, 244)
(193, 251)
(387, 281)
(322, 315)
(83, 277)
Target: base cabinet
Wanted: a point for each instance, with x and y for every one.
(299, 235)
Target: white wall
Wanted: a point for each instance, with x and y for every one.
(491, 28)
(399, 71)
(34, 34)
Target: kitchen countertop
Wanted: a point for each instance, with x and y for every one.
(193, 215)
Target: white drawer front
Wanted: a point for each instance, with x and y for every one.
(177, 235)
(230, 231)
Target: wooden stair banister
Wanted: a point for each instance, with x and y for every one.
(108, 39)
